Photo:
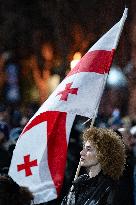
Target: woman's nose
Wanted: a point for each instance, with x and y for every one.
(82, 153)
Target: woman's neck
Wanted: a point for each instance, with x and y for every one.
(94, 170)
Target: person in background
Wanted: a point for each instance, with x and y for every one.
(124, 195)
(4, 115)
(104, 156)
(13, 194)
(4, 155)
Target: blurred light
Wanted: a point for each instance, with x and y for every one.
(47, 51)
(133, 130)
(116, 78)
(76, 58)
(53, 82)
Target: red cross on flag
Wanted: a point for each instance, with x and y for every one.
(39, 158)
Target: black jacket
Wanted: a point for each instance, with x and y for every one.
(124, 194)
(92, 191)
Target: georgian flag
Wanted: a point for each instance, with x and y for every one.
(39, 158)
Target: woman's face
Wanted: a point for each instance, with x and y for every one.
(88, 155)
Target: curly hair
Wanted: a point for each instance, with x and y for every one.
(13, 194)
(110, 150)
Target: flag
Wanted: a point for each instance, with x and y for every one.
(39, 158)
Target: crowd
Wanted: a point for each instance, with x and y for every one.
(12, 121)
(14, 118)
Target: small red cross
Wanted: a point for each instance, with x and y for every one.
(27, 165)
(64, 94)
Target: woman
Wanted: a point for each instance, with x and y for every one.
(104, 157)
(12, 194)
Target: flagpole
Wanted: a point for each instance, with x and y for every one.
(72, 187)
(122, 21)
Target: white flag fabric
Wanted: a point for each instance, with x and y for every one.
(39, 158)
